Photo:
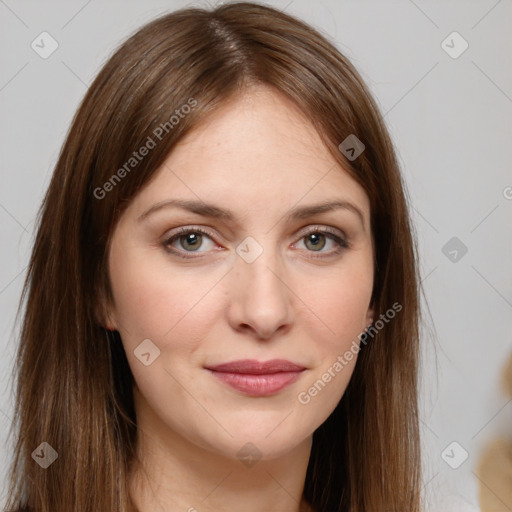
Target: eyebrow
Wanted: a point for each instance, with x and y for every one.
(210, 210)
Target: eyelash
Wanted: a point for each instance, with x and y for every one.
(341, 242)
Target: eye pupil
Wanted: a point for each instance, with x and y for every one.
(193, 238)
(315, 237)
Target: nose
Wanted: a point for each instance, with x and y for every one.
(260, 298)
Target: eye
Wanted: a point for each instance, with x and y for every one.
(317, 238)
(191, 239)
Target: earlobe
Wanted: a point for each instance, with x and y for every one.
(110, 323)
(369, 317)
(105, 317)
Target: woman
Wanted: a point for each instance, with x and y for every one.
(222, 301)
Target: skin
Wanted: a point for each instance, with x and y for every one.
(259, 157)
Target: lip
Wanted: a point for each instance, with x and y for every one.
(257, 378)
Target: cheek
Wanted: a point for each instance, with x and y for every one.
(150, 302)
(337, 318)
(337, 307)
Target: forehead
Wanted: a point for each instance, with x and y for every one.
(261, 123)
(257, 151)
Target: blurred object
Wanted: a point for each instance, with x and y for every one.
(495, 467)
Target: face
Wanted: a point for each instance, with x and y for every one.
(253, 276)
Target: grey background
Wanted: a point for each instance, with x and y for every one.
(450, 119)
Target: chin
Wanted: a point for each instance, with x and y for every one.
(249, 444)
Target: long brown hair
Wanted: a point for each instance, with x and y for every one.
(74, 385)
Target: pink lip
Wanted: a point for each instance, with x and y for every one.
(258, 379)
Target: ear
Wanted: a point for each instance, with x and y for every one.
(110, 321)
(105, 315)
(369, 317)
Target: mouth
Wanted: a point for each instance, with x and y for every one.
(256, 378)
